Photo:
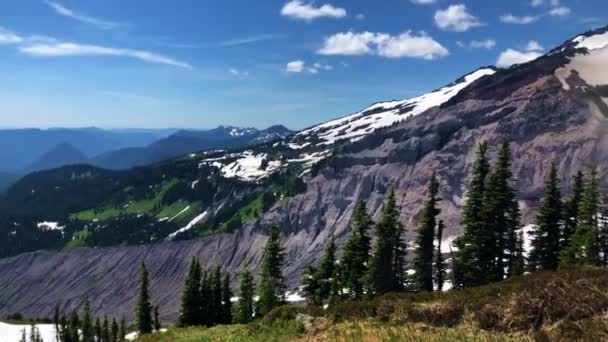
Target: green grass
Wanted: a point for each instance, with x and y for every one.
(78, 240)
(145, 206)
(281, 332)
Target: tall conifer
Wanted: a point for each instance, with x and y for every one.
(425, 237)
(355, 255)
(191, 296)
(439, 262)
(272, 287)
(546, 235)
(143, 307)
(245, 308)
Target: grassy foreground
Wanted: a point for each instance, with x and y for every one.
(569, 305)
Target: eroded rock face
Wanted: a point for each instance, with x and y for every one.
(544, 121)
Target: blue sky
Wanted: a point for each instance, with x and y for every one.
(201, 63)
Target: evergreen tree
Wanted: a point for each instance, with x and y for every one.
(603, 231)
(56, 324)
(191, 296)
(425, 237)
(272, 287)
(571, 207)
(143, 307)
(64, 335)
(245, 309)
(88, 335)
(335, 294)
(547, 231)
(122, 329)
(355, 256)
(216, 296)
(226, 303)
(157, 324)
(311, 287)
(439, 262)
(400, 252)
(519, 261)
(472, 259)
(206, 300)
(583, 247)
(74, 325)
(381, 275)
(105, 336)
(115, 331)
(501, 218)
(98, 329)
(327, 270)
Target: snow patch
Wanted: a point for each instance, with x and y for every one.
(180, 213)
(189, 226)
(12, 332)
(385, 114)
(46, 226)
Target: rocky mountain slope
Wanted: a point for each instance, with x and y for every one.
(554, 108)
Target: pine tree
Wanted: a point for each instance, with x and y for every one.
(400, 252)
(439, 262)
(355, 255)
(105, 336)
(74, 325)
(143, 307)
(272, 287)
(519, 260)
(115, 331)
(64, 335)
(381, 274)
(335, 294)
(311, 287)
(206, 300)
(500, 218)
(603, 231)
(157, 324)
(98, 329)
(122, 329)
(226, 300)
(245, 308)
(327, 269)
(425, 237)
(191, 296)
(547, 231)
(471, 258)
(216, 295)
(56, 324)
(571, 207)
(583, 248)
(88, 335)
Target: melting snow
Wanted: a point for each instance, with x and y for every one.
(189, 226)
(591, 67)
(180, 213)
(50, 226)
(594, 42)
(12, 332)
(363, 123)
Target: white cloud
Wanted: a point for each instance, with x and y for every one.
(479, 44)
(560, 11)
(233, 71)
(9, 37)
(360, 16)
(252, 39)
(383, 44)
(72, 49)
(62, 10)
(511, 56)
(412, 46)
(456, 18)
(424, 2)
(299, 66)
(523, 20)
(534, 46)
(296, 9)
(295, 66)
(536, 3)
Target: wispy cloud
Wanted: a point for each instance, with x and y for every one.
(298, 10)
(8, 37)
(519, 20)
(100, 23)
(299, 66)
(252, 39)
(65, 49)
(129, 96)
(479, 44)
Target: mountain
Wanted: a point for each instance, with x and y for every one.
(189, 141)
(60, 155)
(554, 108)
(34, 143)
